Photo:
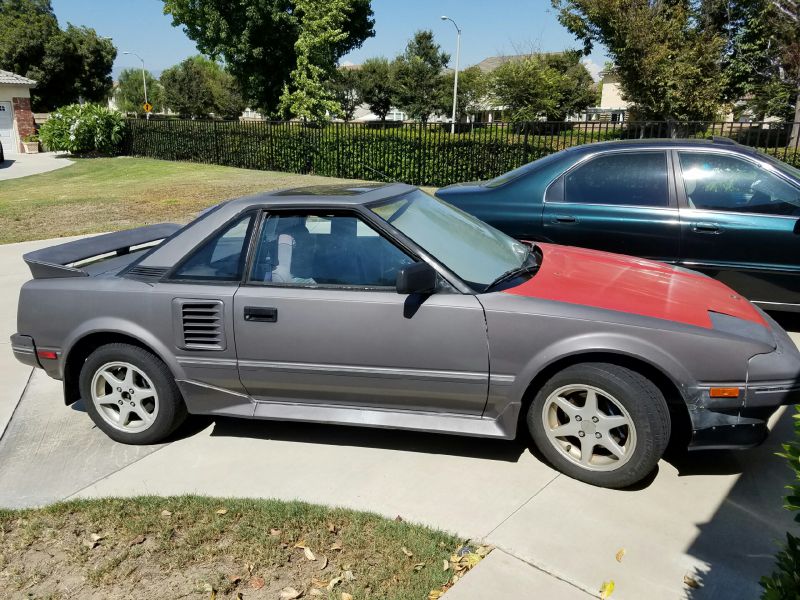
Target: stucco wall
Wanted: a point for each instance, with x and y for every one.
(22, 117)
(611, 96)
(7, 92)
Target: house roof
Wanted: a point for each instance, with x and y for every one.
(14, 79)
(489, 64)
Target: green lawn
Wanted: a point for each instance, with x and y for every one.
(106, 194)
(198, 547)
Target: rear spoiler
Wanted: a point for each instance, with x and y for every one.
(58, 261)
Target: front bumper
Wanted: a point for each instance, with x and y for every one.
(773, 380)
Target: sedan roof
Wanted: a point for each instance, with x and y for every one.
(348, 194)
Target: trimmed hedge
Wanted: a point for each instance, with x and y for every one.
(412, 153)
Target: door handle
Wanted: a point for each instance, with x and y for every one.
(564, 219)
(257, 313)
(706, 228)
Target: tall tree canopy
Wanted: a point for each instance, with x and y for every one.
(129, 93)
(668, 62)
(68, 65)
(418, 76)
(472, 91)
(376, 86)
(199, 87)
(344, 88)
(256, 39)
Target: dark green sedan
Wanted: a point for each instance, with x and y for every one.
(710, 205)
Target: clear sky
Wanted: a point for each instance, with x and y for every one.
(489, 28)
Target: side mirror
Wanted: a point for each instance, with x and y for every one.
(419, 278)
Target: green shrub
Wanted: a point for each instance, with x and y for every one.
(784, 583)
(83, 129)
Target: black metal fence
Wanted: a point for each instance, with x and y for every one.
(417, 153)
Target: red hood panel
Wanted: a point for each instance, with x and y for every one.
(632, 285)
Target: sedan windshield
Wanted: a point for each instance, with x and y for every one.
(476, 252)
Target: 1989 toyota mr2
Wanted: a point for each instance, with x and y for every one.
(381, 306)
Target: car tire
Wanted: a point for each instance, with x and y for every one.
(624, 436)
(142, 406)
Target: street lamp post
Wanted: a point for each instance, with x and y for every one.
(455, 79)
(144, 80)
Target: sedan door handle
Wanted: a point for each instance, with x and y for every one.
(706, 227)
(564, 219)
(257, 313)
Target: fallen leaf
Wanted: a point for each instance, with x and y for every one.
(331, 527)
(301, 544)
(406, 552)
(320, 583)
(445, 565)
(323, 563)
(691, 581)
(166, 513)
(239, 596)
(289, 593)
(333, 583)
(309, 554)
(96, 537)
(257, 583)
(348, 576)
(620, 554)
(209, 589)
(222, 511)
(482, 551)
(346, 596)
(139, 539)
(606, 589)
(90, 544)
(419, 566)
(435, 594)
(275, 532)
(250, 568)
(336, 546)
(234, 579)
(315, 592)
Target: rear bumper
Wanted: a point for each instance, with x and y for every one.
(24, 350)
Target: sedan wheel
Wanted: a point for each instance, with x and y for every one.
(131, 394)
(124, 396)
(600, 423)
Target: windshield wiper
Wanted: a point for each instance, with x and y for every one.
(525, 268)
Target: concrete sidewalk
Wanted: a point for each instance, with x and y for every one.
(716, 516)
(22, 165)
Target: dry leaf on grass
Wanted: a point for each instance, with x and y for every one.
(336, 546)
(323, 563)
(691, 581)
(275, 532)
(91, 544)
(606, 589)
(435, 594)
(445, 564)
(346, 596)
(289, 593)
(419, 566)
(209, 589)
(320, 583)
(96, 537)
(315, 592)
(309, 554)
(333, 583)
(331, 527)
(348, 576)
(166, 513)
(222, 511)
(257, 583)
(139, 539)
(234, 579)
(301, 544)
(406, 552)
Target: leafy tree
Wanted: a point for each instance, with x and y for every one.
(321, 30)
(472, 91)
(527, 88)
(418, 76)
(576, 88)
(129, 93)
(227, 98)
(344, 88)
(668, 62)
(67, 65)
(187, 90)
(376, 87)
(256, 39)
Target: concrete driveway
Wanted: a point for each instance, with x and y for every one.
(715, 516)
(22, 165)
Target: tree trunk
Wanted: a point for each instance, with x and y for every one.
(794, 139)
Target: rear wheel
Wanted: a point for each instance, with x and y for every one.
(130, 394)
(600, 423)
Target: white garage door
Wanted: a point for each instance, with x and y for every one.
(7, 128)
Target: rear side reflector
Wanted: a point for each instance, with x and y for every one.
(47, 354)
(724, 392)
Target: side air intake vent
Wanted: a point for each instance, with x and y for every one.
(146, 274)
(199, 324)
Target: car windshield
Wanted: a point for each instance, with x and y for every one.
(476, 252)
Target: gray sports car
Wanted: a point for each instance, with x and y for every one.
(381, 306)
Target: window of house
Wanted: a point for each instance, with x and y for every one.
(726, 183)
(624, 178)
(320, 249)
(222, 257)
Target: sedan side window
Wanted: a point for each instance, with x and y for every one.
(624, 178)
(727, 183)
(222, 257)
(325, 250)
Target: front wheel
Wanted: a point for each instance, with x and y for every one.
(600, 423)
(130, 394)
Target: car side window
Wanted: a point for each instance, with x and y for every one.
(317, 249)
(727, 183)
(624, 178)
(222, 257)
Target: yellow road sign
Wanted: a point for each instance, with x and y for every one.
(147, 107)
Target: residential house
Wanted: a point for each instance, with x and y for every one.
(612, 106)
(16, 118)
